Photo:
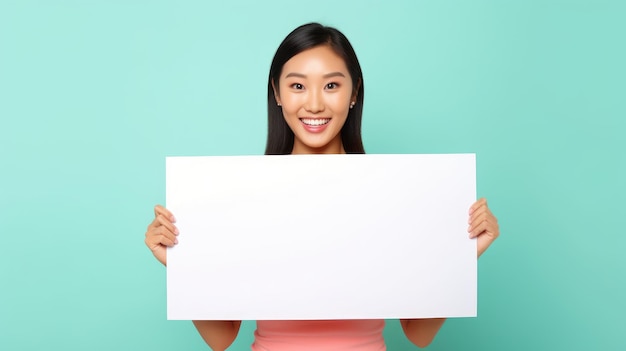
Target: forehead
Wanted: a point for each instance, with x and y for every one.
(318, 60)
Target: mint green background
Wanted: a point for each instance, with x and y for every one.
(94, 95)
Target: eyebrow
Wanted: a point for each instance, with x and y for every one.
(327, 75)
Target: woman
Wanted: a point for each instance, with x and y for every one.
(315, 100)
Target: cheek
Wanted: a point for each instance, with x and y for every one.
(291, 102)
(339, 102)
(290, 108)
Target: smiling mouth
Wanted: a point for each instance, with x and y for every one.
(315, 121)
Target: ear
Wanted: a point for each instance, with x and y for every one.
(276, 95)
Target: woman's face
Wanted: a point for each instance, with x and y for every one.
(315, 91)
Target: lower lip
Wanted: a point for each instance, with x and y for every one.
(315, 129)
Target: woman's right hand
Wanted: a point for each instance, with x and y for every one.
(161, 233)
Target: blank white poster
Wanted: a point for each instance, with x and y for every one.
(321, 237)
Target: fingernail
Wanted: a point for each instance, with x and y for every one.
(175, 241)
(469, 229)
(176, 232)
(173, 219)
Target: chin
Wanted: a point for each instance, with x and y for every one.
(326, 146)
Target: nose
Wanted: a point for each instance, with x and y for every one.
(315, 102)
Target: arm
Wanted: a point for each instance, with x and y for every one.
(421, 332)
(483, 225)
(162, 233)
(219, 335)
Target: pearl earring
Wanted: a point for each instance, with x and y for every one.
(278, 104)
(352, 104)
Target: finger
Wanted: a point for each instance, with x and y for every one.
(477, 220)
(160, 210)
(476, 205)
(480, 229)
(167, 236)
(154, 224)
(485, 210)
(160, 236)
(489, 227)
(479, 211)
(166, 241)
(160, 221)
(489, 232)
(155, 246)
(163, 217)
(167, 224)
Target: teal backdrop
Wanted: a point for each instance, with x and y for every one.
(95, 94)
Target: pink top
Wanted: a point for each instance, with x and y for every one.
(336, 335)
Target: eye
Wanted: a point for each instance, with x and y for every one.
(332, 86)
(297, 86)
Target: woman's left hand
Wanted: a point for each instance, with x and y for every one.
(483, 225)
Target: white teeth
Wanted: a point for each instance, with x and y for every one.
(315, 121)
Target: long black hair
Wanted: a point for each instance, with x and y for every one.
(280, 137)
